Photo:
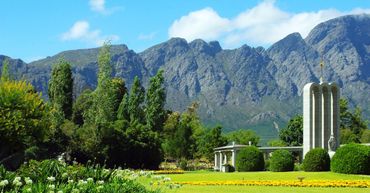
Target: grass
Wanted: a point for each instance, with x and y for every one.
(218, 176)
(263, 189)
(213, 176)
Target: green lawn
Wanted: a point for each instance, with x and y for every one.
(217, 176)
(212, 176)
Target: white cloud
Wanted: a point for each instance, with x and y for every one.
(263, 24)
(147, 36)
(81, 31)
(205, 24)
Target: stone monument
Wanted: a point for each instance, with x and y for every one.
(321, 116)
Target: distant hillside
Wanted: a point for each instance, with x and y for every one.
(240, 88)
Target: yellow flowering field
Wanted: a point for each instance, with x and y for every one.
(312, 183)
(263, 182)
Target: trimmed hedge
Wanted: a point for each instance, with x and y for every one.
(351, 159)
(281, 161)
(250, 159)
(316, 160)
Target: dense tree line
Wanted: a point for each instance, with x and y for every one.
(110, 125)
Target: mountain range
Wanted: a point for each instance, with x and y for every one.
(248, 87)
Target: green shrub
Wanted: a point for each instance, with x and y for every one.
(250, 159)
(183, 164)
(351, 159)
(298, 167)
(42, 170)
(281, 161)
(55, 176)
(316, 160)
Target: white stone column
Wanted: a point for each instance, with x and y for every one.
(335, 112)
(233, 158)
(220, 161)
(225, 158)
(216, 164)
(317, 117)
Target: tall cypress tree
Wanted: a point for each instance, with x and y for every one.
(135, 101)
(122, 113)
(60, 89)
(5, 76)
(103, 110)
(155, 101)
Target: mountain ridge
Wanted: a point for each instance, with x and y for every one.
(245, 87)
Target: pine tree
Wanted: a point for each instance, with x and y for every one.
(155, 101)
(60, 89)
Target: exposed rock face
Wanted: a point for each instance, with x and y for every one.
(240, 88)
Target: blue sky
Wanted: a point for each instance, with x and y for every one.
(33, 29)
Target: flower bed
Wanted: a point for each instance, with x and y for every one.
(311, 183)
(169, 172)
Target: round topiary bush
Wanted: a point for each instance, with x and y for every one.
(351, 159)
(250, 159)
(316, 160)
(281, 161)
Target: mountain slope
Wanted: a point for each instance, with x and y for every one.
(239, 88)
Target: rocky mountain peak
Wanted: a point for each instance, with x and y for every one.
(201, 46)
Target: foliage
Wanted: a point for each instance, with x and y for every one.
(55, 176)
(316, 160)
(292, 135)
(23, 120)
(243, 137)
(60, 88)
(134, 145)
(81, 107)
(211, 139)
(87, 144)
(169, 144)
(119, 90)
(103, 97)
(135, 101)
(276, 143)
(250, 159)
(183, 134)
(60, 93)
(347, 136)
(281, 161)
(122, 112)
(352, 124)
(365, 137)
(351, 159)
(5, 75)
(155, 101)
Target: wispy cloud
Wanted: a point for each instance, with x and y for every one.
(149, 36)
(81, 31)
(263, 24)
(97, 5)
